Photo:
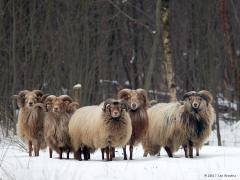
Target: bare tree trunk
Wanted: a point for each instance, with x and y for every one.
(155, 46)
(217, 123)
(77, 93)
(13, 51)
(168, 63)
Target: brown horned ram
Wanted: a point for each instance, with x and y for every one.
(59, 111)
(137, 101)
(30, 119)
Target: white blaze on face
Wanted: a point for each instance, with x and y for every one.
(30, 100)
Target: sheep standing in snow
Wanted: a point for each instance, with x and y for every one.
(30, 119)
(137, 101)
(198, 118)
(165, 129)
(186, 123)
(104, 127)
(56, 122)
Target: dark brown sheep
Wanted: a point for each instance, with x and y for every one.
(137, 101)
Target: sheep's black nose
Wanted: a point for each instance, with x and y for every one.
(134, 105)
(55, 109)
(195, 105)
(30, 103)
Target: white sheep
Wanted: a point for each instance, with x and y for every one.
(100, 127)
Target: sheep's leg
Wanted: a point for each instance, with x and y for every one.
(190, 148)
(197, 151)
(124, 153)
(131, 151)
(113, 152)
(36, 149)
(88, 154)
(185, 148)
(107, 152)
(68, 152)
(102, 150)
(60, 153)
(50, 152)
(78, 154)
(30, 148)
(85, 153)
(169, 152)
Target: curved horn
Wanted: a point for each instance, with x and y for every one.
(106, 103)
(123, 93)
(39, 93)
(144, 94)
(206, 95)
(43, 98)
(72, 107)
(190, 93)
(124, 105)
(23, 93)
(66, 98)
(49, 98)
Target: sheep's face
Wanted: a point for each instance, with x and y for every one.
(134, 98)
(58, 105)
(30, 99)
(195, 103)
(114, 108)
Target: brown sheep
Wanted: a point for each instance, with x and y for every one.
(199, 117)
(56, 122)
(137, 101)
(30, 119)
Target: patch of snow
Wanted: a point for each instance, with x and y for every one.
(133, 57)
(230, 134)
(213, 161)
(77, 86)
(224, 102)
(126, 83)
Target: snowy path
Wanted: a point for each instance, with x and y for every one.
(213, 160)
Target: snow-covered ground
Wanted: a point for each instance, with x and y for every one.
(230, 134)
(213, 163)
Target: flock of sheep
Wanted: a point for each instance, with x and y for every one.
(59, 123)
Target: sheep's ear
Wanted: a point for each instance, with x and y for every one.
(188, 94)
(206, 95)
(124, 93)
(144, 95)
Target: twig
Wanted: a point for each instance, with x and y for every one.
(131, 18)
